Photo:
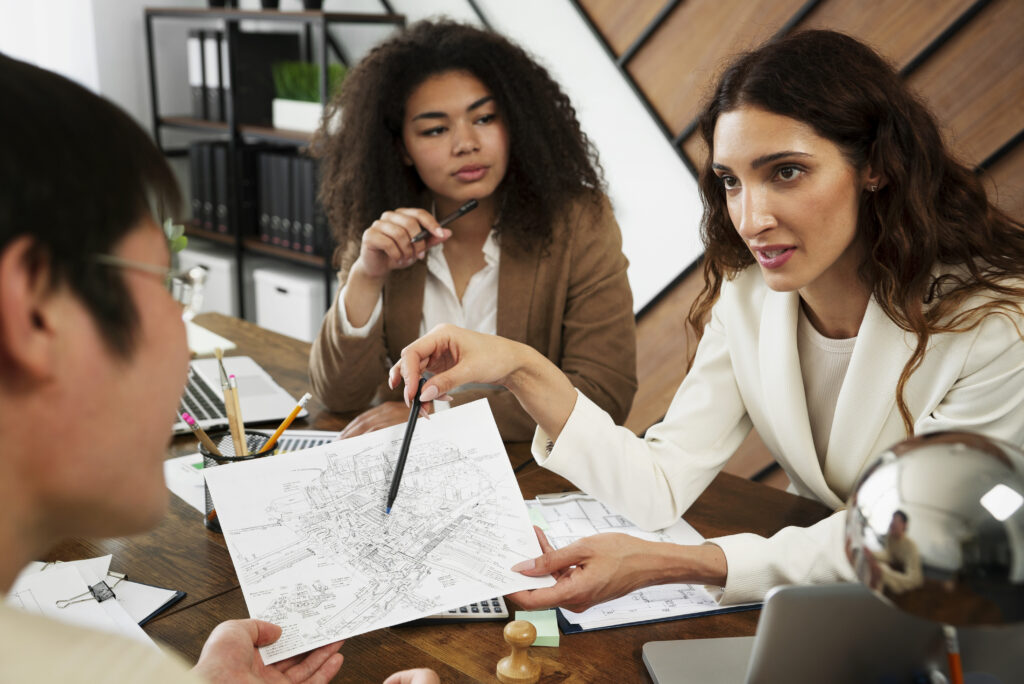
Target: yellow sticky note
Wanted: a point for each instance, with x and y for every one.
(546, 623)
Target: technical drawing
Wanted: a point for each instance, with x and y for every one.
(315, 552)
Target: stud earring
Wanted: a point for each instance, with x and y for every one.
(872, 188)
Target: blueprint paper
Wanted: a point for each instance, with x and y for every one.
(574, 516)
(316, 554)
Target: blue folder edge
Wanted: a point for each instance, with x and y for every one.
(573, 628)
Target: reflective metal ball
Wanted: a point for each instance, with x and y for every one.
(936, 526)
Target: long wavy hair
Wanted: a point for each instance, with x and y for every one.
(551, 161)
(930, 214)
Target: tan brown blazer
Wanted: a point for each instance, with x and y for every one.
(571, 302)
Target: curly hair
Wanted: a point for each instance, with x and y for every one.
(551, 161)
(931, 212)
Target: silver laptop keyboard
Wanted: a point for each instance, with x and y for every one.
(200, 400)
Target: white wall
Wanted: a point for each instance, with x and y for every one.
(101, 44)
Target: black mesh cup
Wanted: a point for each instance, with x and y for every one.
(254, 441)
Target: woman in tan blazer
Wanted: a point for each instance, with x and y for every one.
(439, 115)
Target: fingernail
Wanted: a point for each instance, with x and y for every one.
(525, 565)
(429, 393)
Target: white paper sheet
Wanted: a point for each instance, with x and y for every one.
(567, 518)
(38, 592)
(184, 474)
(203, 342)
(138, 600)
(316, 554)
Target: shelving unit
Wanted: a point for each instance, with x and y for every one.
(244, 239)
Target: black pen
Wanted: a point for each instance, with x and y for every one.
(414, 413)
(458, 213)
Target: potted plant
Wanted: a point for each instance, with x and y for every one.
(297, 106)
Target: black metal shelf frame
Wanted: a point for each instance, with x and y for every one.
(317, 41)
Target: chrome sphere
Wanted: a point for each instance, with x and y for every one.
(936, 526)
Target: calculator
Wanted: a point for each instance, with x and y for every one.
(481, 611)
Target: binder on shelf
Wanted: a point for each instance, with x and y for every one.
(220, 187)
(275, 199)
(264, 198)
(284, 193)
(212, 70)
(209, 211)
(297, 201)
(308, 204)
(196, 184)
(194, 52)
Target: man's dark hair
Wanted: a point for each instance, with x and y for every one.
(77, 174)
(903, 516)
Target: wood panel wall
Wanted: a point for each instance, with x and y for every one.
(964, 57)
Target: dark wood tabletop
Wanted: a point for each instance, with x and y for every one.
(182, 554)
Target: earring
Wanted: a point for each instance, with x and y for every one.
(872, 188)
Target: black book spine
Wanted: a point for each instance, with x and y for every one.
(220, 186)
(285, 163)
(209, 212)
(195, 167)
(214, 93)
(308, 204)
(275, 199)
(264, 197)
(297, 201)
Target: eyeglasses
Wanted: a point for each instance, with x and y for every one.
(186, 286)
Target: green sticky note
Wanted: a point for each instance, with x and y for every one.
(546, 623)
(537, 518)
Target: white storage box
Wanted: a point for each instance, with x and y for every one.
(290, 301)
(221, 289)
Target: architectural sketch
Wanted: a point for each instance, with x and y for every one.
(566, 518)
(316, 554)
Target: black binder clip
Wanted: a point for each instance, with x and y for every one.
(100, 592)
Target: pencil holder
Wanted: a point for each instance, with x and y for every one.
(254, 441)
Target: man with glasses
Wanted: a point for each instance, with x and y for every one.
(86, 323)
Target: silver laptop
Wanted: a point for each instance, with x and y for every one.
(260, 398)
(840, 633)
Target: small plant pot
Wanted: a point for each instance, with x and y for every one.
(295, 115)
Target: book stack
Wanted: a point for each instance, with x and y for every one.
(289, 214)
(277, 195)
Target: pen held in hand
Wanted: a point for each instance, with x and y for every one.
(396, 478)
(458, 213)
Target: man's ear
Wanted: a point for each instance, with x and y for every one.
(28, 310)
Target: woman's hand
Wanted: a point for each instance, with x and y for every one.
(231, 655)
(387, 244)
(457, 356)
(420, 675)
(606, 566)
(382, 415)
(587, 572)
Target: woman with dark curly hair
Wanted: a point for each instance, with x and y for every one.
(860, 288)
(438, 115)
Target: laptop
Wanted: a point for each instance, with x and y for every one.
(260, 398)
(838, 633)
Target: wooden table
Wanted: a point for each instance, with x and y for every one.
(182, 554)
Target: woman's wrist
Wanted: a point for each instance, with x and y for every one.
(361, 294)
(677, 564)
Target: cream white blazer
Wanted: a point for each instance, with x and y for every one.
(747, 374)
